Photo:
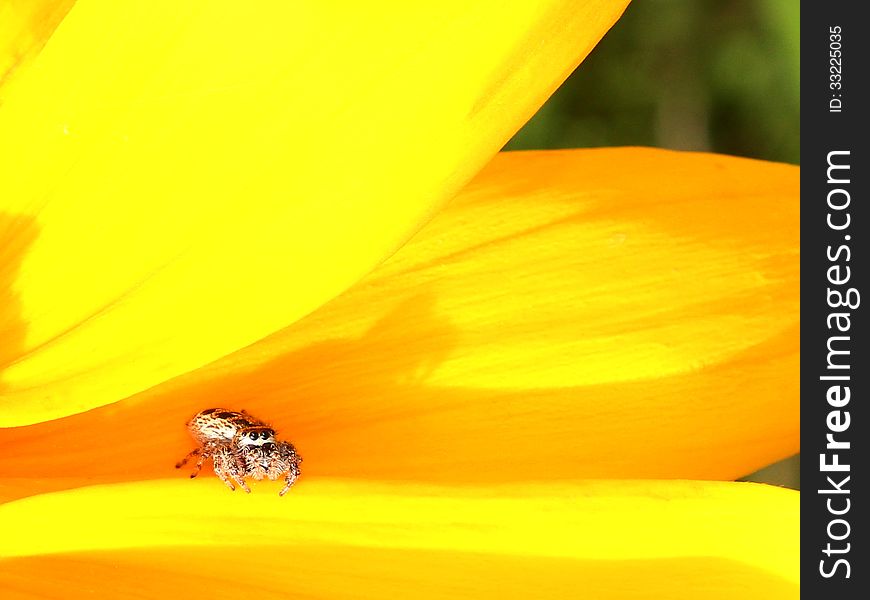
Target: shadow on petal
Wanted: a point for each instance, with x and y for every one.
(17, 233)
(349, 420)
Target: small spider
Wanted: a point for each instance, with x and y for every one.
(240, 446)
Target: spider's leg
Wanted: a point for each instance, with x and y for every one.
(226, 466)
(202, 458)
(190, 455)
(288, 482)
(221, 471)
(198, 466)
(239, 470)
(292, 476)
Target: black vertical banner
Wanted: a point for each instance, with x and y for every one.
(835, 370)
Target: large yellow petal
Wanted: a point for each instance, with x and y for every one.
(334, 539)
(25, 27)
(199, 175)
(608, 313)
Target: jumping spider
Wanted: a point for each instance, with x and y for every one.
(240, 446)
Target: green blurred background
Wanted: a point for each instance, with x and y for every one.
(718, 76)
(688, 75)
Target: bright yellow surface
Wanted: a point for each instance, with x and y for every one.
(176, 184)
(25, 26)
(180, 179)
(583, 526)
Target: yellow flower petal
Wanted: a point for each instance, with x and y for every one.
(329, 537)
(25, 27)
(662, 328)
(199, 176)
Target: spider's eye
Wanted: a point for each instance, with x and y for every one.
(266, 435)
(253, 435)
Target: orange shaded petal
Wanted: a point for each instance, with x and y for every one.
(609, 313)
(315, 572)
(571, 314)
(329, 538)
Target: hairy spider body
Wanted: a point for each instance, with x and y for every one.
(273, 461)
(220, 425)
(241, 446)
